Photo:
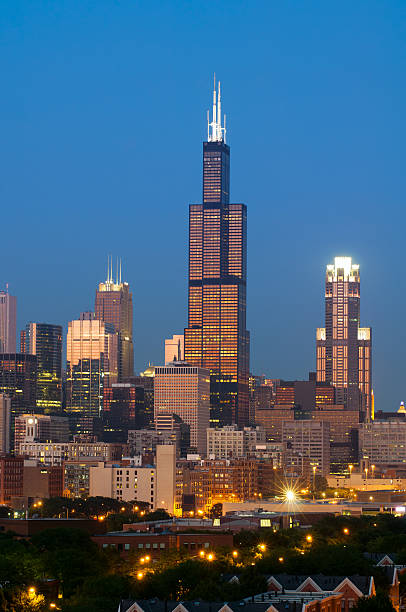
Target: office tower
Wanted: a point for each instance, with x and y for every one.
(5, 423)
(144, 383)
(229, 442)
(119, 411)
(307, 440)
(8, 318)
(166, 478)
(344, 349)
(40, 428)
(216, 337)
(175, 348)
(91, 352)
(114, 305)
(18, 380)
(45, 341)
(184, 390)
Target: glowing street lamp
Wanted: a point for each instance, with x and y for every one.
(202, 554)
(290, 495)
(235, 554)
(309, 538)
(140, 575)
(280, 559)
(210, 557)
(346, 531)
(262, 547)
(350, 468)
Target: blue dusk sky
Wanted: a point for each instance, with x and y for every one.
(102, 117)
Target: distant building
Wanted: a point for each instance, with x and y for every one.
(45, 341)
(119, 411)
(8, 318)
(309, 440)
(91, 365)
(230, 442)
(383, 442)
(5, 423)
(114, 305)
(42, 482)
(56, 453)
(40, 428)
(216, 337)
(76, 477)
(344, 349)
(144, 384)
(123, 482)
(175, 348)
(184, 390)
(11, 478)
(18, 380)
(166, 478)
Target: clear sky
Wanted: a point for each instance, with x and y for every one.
(102, 116)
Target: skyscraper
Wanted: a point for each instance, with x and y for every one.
(114, 305)
(91, 354)
(8, 316)
(45, 341)
(216, 337)
(175, 348)
(18, 380)
(343, 347)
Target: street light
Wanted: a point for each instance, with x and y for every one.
(373, 470)
(346, 531)
(235, 554)
(309, 538)
(201, 554)
(210, 557)
(350, 468)
(262, 547)
(140, 575)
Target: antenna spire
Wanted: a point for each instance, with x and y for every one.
(120, 270)
(215, 131)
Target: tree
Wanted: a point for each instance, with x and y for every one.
(377, 603)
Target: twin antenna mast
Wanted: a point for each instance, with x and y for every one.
(215, 131)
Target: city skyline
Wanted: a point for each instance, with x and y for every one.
(314, 163)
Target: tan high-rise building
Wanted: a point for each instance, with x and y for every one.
(8, 317)
(92, 364)
(114, 305)
(185, 390)
(344, 356)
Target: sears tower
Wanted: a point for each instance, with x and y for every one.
(216, 337)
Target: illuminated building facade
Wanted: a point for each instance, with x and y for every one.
(344, 348)
(216, 337)
(8, 317)
(185, 390)
(92, 364)
(45, 341)
(114, 305)
(18, 380)
(119, 406)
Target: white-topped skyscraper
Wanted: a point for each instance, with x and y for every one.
(344, 349)
(114, 305)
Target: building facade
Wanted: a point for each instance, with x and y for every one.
(55, 453)
(308, 441)
(18, 380)
(344, 349)
(119, 411)
(123, 482)
(91, 351)
(216, 337)
(45, 341)
(230, 442)
(40, 428)
(383, 442)
(184, 390)
(5, 423)
(114, 305)
(175, 348)
(8, 322)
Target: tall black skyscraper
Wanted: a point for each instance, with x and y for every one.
(216, 337)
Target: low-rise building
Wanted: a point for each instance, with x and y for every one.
(231, 442)
(123, 482)
(56, 453)
(11, 478)
(383, 442)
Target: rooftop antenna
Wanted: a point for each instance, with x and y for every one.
(219, 114)
(117, 271)
(108, 265)
(111, 269)
(120, 270)
(217, 132)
